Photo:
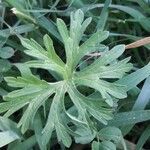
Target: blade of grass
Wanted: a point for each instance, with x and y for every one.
(103, 16)
(132, 117)
(143, 138)
(47, 25)
(142, 4)
(141, 102)
(145, 23)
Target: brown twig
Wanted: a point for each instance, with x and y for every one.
(135, 44)
(138, 43)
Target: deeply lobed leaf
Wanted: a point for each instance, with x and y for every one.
(34, 92)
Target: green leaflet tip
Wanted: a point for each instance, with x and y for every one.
(107, 33)
(79, 13)
(59, 20)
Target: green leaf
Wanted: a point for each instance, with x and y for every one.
(23, 82)
(105, 88)
(69, 51)
(34, 105)
(37, 125)
(107, 58)
(44, 64)
(92, 106)
(116, 70)
(77, 26)
(30, 94)
(84, 135)
(55, 121)
(25, 71)
(33, 46)
(6, 124)
(9, 131)
(6, 67)
(3, 92)
(107, 145)
(51, 51)
(79, 16)
(89, 45)
(11, 106)
(62, 29)
(6, 52)
(68, 42)
(85, 24)
(7, 137)
(26, 144)
(45, 60)
(110, 134)
(63, 135)
(95, 145)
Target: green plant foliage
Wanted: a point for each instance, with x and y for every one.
(6, 67)
(34, 92)
(9, 131)
(6, 52)
(62, 108)
(105, 145)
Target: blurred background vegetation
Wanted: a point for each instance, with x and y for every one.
(127, 21)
